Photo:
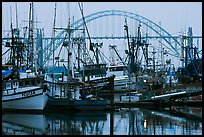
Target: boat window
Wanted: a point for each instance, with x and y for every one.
(15, 85)
(4, 86)
(27, 82)
(20, 84)
(33, 82)
(30, 83)
(8, 85)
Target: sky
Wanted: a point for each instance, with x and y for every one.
(174, 16)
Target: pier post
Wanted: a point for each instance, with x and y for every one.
(170, 84)
(111, 83)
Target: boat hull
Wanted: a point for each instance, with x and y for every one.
(34, 99)
(90, 104)
(67, 104)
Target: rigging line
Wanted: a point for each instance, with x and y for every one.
(59, 54)
(86, 29)
(102, 59)
(105, 56)
(126, 58)
(74, 53)
(5, 52)
(87, 52)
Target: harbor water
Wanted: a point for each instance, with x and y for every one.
(122, 121)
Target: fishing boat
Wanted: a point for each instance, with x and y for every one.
(69, 95)
(24, 93)
(67, 90)
(23, 90)
(121, 80)
(59, 83)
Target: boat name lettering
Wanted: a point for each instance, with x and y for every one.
(28, 93)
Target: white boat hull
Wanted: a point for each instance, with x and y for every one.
(34, 99)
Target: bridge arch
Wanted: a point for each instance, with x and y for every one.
(153, 26)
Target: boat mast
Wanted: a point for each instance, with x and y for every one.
(16, 47)
(84, 50)
(53, 50)
(31, 51)
(84, 54)
(129, 55)
(18, 52)
(12, 54)
(69, 31)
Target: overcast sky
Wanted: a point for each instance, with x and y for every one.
(174, 16)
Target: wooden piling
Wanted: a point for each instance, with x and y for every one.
(111, 83)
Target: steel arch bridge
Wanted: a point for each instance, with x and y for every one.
(79, 23)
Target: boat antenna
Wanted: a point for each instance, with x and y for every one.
(16, 16)
(11, 14)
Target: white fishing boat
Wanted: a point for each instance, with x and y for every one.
(121, 80)
(25, 93)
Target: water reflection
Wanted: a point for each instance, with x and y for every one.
(126, 121)
(76, 123)
(24, 124)
(162, 123)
